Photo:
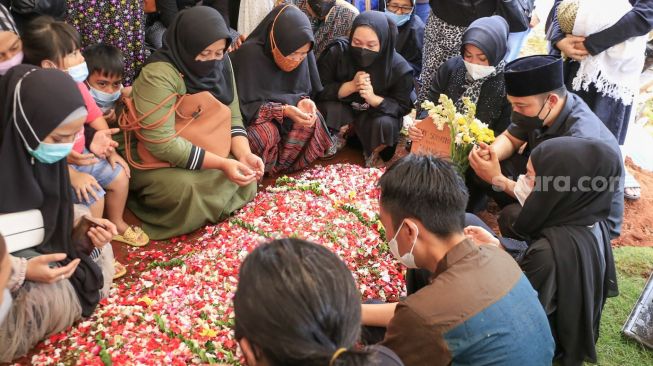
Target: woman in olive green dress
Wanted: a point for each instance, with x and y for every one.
(201, 187)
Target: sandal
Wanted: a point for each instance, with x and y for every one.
(330, 153)
(632, 193)
(134, 236)
(120, 269)
(374, 161)
(632, 189)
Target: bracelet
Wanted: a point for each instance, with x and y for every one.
(283, 110)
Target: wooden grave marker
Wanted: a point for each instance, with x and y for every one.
(435, 142)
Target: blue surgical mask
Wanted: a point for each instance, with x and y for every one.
(51, 153)
(104, 100)
(398, 19)
(5, 306)
(79, 73)
(46, 153)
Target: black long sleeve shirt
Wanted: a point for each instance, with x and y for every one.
(637, 22)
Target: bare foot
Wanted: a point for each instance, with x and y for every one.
(121, 225)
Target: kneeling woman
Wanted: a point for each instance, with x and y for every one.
(277, 77)
(569, 259)
(42, 110)
(200, 186)
(476, 74)
(367, 83)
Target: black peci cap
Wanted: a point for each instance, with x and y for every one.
(533, 75)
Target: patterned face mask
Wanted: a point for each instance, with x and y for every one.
(283, 62)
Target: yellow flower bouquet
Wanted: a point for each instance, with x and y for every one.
(466, 130)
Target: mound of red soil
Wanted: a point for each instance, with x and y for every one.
(637, 230)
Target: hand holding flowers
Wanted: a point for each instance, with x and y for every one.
(466, 130)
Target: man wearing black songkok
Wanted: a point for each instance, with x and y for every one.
(542, 109)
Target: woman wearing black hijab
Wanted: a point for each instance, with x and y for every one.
(567, 194)
(277, 78)
(200, 186)
(477, 74)
(367, 84)
(42, 110)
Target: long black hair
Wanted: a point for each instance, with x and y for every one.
(297, 304)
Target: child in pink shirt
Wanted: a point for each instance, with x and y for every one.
(94, 180)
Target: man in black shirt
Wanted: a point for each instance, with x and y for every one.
(542, 109)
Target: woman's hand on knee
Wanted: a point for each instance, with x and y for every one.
(84, 185)
(115, 159)
(39, 270)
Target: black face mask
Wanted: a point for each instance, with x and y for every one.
(363, 56)
(530, 123)
(321, 7)
(203, 68)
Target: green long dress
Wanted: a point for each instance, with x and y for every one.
(175, 201)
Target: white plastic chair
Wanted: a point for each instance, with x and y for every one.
(22, 230)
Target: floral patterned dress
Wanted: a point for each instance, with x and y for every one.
(116, 22)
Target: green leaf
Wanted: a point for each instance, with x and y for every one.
(105, 357)
(176, 262)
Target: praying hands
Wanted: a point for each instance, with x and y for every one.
(366, 90)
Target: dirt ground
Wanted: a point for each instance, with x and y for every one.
(638, 222)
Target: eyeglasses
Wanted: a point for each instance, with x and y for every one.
(399, 9)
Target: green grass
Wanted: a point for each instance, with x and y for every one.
(633, 268)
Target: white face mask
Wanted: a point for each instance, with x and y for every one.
(522, 189)
(478, 71)
(407, 259)
(5, 306)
